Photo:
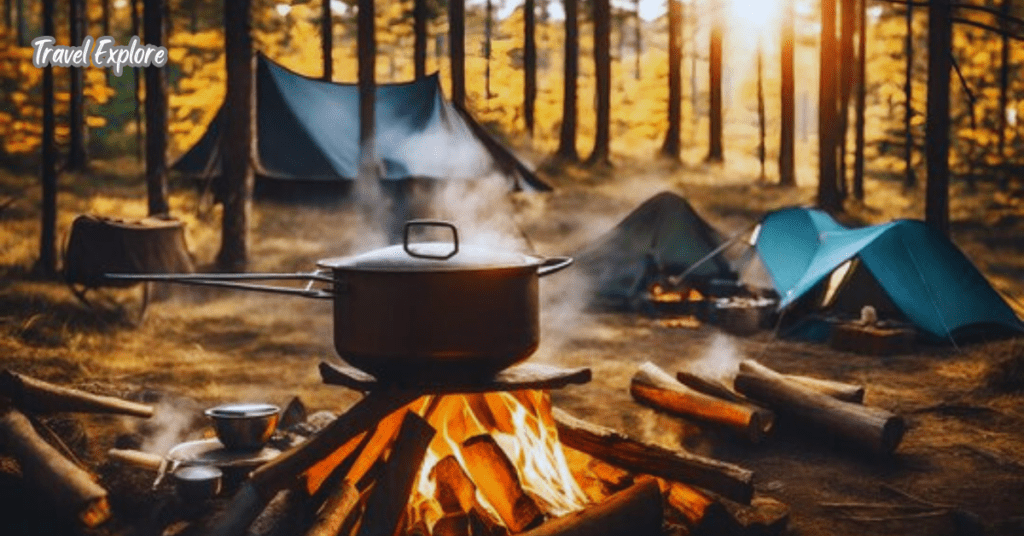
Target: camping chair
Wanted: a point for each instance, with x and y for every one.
(97, 246)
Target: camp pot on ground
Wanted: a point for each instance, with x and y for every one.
(436, 309)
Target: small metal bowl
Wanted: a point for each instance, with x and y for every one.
(196, 484)
(244, 426)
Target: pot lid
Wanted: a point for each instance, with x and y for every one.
(431, 256)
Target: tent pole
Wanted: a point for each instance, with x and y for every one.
(675, 280)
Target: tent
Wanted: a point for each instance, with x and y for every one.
(904, 268)
(307, 130)
(662, 237)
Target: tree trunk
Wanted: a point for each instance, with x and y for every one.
(639, 41)
(567, 135)
(862, 89)
(105, 22)
(694, 94)
(603, 80)
(22, 30)
(828, 194)
(457, 49)
(846, 67)
(156, 113)
(77, 159)
(1004, 84)
(488, 29)
(9, 14)
(367, 57)
(48, 238)
(419, 25)
(136, 30)
(715, 153)
(909, 179)
(327, 39)
(761, 149)
(529, 63)
(940, 40)
(787, 92)
(238, 142)
(670, 148)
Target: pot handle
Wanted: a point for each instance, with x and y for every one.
(552, 265)
(430, 223)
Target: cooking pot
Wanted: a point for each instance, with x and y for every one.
(435, 309)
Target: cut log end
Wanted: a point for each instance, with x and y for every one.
(892, 434)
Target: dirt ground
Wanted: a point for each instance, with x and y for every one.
(194, 348)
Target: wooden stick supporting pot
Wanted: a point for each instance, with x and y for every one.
(37, 396)
(730, 481)
(654, 387)
(71, 489)
(875, 429)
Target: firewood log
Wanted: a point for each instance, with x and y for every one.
(71, 489)
(701, 512)
(336, 509)
(875, 429)
(499, 482)
(763, 517)
(270, 478)
(709, 385)
(453, 524)
(37, 396)
(390, 495)
(704, 383)
(636, 511)
(726, 479)
(455, 491)
(653, 386)
(144, 460)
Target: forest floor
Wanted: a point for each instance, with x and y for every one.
(198, 348)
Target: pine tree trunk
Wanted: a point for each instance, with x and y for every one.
(670, 148)
(694, 94)
(156, 114)
(846, 66)
(77, 156)
(603, 76)
(909, 179)
(367, 56)
(488, 28)
(787, 92)
(639, 41)
(457, 49)
(567, 134)
(419, 25)
(105, 22)
(1004, 84)
(136, 88)
(940, 40)
(9, 14)
(761, 149)
(327, 39)
(715, 152)
(47, 263)
(529, 63)
(22, 24)
(238, 141)
(828, 194)
(862, 89)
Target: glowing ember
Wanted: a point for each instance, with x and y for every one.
(658, 293)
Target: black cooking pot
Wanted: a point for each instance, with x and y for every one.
(437, 309)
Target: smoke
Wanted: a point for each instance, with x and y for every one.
(172, 422)
(720, 360)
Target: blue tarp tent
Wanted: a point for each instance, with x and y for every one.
(923, 275)
(308, 130)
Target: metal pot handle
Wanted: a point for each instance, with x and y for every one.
(430, 223)
(552, 265)
(235, 281)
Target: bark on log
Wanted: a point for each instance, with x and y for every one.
(873, 428)
(455, 491)
(846, 392)
(653, 386)
(709, 385)
(634, 511)
(728, 480)
(37, 396)
(499, 482)
(266, 481)
(71, 489)
(454, 524)
(701, 513)
(336, 509)
(390, 496)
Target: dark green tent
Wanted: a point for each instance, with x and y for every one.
(308, 130)
(663, 237)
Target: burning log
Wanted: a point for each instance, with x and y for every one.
(37, 396)
(728, 480)
(523, 376)
(847, 392)
(634, 511)
(266, 481)
(455, 491)
(70, 488)
(336, 509)
(653, 386)
(873, 428)
(390, 496)
(454, 524)
(499, 483)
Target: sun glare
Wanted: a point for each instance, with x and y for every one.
(754, 14)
